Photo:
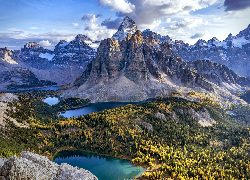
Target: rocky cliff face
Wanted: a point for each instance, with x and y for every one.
(217, 73)
(141, 67)
(7, 56)
(33, 166)
(14, 76)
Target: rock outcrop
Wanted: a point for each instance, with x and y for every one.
(7, 56)
(34, 166)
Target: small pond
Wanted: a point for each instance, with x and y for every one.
(103, 167)
(51, 100)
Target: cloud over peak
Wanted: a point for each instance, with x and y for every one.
(92, 26)
(112, 24)
(188, 23)
(147, 12)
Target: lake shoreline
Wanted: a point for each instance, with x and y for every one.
(65, 148)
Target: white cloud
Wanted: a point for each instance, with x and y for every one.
(168, 20)
(19, 31)
(92, 26)
(200, 35)
(154, 25)
(75, 24)
(34, 28)
(146, 12)
(90, 17)
(45, 43)
(188, 23)
(118, 5)
(100, 35)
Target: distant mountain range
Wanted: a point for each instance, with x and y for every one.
(58, 67)
(134, 66)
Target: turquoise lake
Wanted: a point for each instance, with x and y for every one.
(103, 167)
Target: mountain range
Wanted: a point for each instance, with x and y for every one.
(133, 66)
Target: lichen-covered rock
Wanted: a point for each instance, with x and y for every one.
(66, 172)
(36, 167)
(21, 168)
(41, 160)
(160, 116)
(203, 117)
(148, 126)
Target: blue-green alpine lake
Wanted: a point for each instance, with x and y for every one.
(103, 167)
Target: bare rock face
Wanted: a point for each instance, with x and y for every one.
(37, 167)
(218, 73)
(203, 117)
(7, 56)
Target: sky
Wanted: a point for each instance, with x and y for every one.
(49, 21)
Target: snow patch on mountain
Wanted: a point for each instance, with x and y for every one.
(47, 56)
(64, 43)
(239, 42)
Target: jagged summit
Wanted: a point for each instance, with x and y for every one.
(244, 33)
(83, 37)
(32, 45)
(128, 26)
(213, 41)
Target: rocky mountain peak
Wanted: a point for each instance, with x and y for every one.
(157, 37)
(32, 45)
(200, 42)
(214, 41)
(7, 55)
(229, 37)
(244, 33)
(83, 38)
(128, 26)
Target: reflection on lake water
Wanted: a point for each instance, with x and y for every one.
(103, 167)
(95, 107)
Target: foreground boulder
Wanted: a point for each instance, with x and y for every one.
(37, 167)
